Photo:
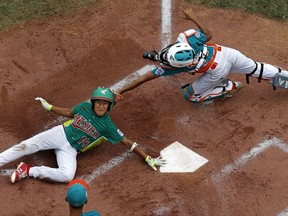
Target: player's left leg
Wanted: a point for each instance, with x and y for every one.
(51, 139)
(67, 165)
(213, 83)
(221, 91)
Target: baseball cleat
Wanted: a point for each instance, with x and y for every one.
(152, 55)
(236, 88)
(21, 172)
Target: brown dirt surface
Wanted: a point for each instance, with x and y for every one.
(63, 58)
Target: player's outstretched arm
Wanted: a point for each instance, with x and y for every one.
(152, 162)
(58, 110)
(190, 15)
(144, 78)
(62, 111)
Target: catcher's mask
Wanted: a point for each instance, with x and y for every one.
(102, 93)
(177, 55)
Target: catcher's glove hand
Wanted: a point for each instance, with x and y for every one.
(44, 103)
(153, 162)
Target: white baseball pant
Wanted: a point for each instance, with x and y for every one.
(227, 61)
(54, 138)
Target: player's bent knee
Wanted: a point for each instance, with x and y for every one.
(67, 176)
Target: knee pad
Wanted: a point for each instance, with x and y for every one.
(281, 80)
(188, 92)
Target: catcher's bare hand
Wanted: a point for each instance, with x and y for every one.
(188, 14)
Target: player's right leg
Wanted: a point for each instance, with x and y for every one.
(275, 75)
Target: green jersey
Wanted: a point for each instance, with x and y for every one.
(87, 129)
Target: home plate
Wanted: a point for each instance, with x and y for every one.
(181, 159)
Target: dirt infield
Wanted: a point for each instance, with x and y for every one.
(62, 59)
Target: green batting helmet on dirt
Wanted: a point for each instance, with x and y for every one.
(102, 93)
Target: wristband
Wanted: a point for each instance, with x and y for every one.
(49, 107)
(148, 159)
(133, 146)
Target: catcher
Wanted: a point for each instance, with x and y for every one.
(191, 54)
(90, 125)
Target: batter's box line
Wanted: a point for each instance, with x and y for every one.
(283, 213)
(106, 167)
(261, 147)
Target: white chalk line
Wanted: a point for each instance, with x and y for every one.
(105, 167)
(132, 77)
(283, 213)
(166, 23)
(162, 210)
(261, 147)
(166, 33)
(248, 156)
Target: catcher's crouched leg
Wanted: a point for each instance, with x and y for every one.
(227, 89)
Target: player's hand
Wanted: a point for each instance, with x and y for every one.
(118, 96)
(153, 162)
(44, 103)
(188, 14)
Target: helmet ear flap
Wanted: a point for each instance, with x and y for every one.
(111, 104)
(92, 104)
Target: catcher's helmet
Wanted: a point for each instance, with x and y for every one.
(102, 93)
(180, 55)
